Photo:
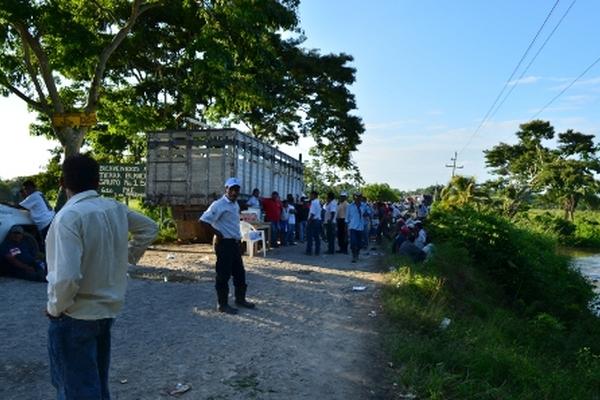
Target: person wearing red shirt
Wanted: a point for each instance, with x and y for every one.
(273, 207)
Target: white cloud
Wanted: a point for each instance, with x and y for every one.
(525, 81)
(579, 98)
(569, 103)
(390, 124)
(583, 83)
(420, 161)
(553, 109)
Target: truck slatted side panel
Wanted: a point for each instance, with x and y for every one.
(188, 168)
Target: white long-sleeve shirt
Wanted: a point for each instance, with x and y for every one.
(40, 211)
(88, 252)
(314, 212)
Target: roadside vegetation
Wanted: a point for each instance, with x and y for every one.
(582, 232)
(520, 327)
(498, 313)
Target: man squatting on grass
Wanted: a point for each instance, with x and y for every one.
(87, 253)
(223, 218)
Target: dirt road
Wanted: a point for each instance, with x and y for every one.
(311, 336)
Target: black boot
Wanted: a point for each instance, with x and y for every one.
(223, 305)
(227, 309)
(240, 297)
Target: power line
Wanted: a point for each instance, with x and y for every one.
(533, 59)
(487, 114)
(541, 110)
(566, 88)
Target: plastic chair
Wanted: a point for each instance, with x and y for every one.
(251, 236)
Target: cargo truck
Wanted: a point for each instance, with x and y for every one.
(186, 170)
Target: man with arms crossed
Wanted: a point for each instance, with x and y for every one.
(87, 253)
(223, 218)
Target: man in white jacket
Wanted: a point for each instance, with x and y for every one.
(88, 252)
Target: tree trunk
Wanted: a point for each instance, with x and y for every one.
(71, 139)
(574, 202)
(569, 206)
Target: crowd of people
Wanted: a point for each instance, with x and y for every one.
(91, 240)
(351, 222)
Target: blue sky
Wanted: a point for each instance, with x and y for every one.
(427, 72)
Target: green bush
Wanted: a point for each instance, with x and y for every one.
(584, 232)
(549, 224)
(163, 216)
(523, 263)
(519, 326)
(587, 232)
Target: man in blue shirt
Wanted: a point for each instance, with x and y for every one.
(19, 257)
(355, 218)
(223, 218)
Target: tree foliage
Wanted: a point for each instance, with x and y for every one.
(149, 64)
(324, 178)
(462, 191)
(566, 175)
(380, 192)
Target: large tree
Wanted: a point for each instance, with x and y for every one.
(565, 174)
(324, 177)
(570, 177)
(54, 56)
(150, 64)
(380, 192)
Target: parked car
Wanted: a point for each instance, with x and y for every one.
(11, 215)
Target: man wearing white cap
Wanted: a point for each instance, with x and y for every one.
(223, 218)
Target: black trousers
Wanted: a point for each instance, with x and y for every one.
(229, 263)
(330, 231)
(342, 234)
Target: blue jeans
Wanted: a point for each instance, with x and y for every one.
(302, 231)
(291, 236)
(274, 233)
(356, 238)
(283, 231)
(365, 239)
(79, 352)
(313, 234)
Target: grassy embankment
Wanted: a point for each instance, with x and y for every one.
(520, 325)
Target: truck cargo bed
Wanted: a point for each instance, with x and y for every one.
(189, 168)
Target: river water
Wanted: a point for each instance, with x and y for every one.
(589, 266)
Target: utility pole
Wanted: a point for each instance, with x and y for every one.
(454, 166)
